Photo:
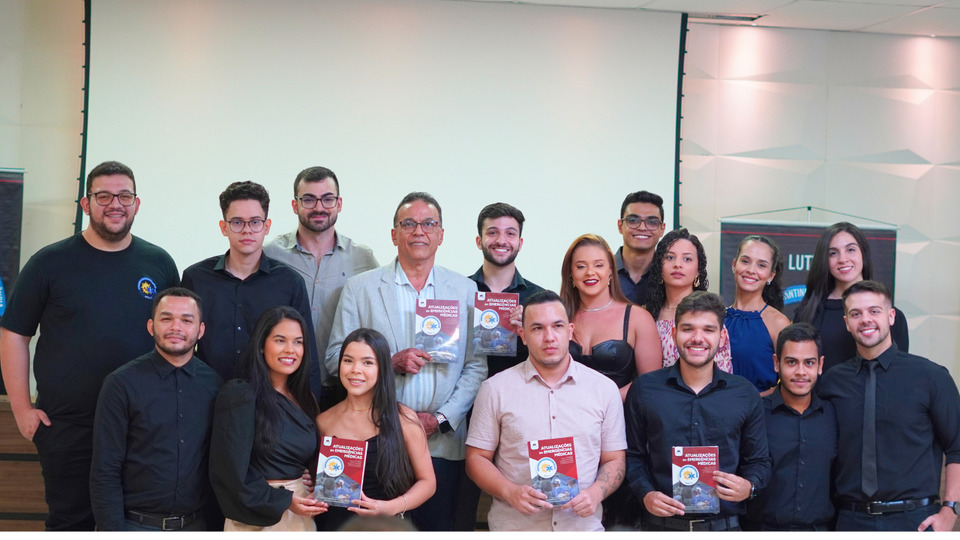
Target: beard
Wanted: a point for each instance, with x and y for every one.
(318, 227)
(187, 346)
(697, 362)
(100, 227)
(489, 256)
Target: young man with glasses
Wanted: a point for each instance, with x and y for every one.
(238, 286)
(88, 295)
(385, 299)
(641, 224)
(324, 258)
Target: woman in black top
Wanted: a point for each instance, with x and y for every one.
(264, 435)
(399, 472)
(841, 258)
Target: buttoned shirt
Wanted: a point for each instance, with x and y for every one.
(918, 423)
(802, 447)
(415, 392)
(525, 289)
(232, 307)
(662, 412)
(150, 439)
(518, 406)
(635, 292)
(324, 277)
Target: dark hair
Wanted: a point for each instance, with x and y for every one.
(498, 210)
(315, 174)
(253, 369)
(867, 285)
(698, 301)
(796, 333)
(569, 294)
(418, 196)
(772, 294)
(180, 292)
(546, 296)
(394, 468)
(245, 191)
(642, 197)
(820, 282)
(658, 292)
(109, 168)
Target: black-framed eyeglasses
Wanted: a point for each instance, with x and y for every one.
(428, 226)
(255, 224)
(309, 201)
(104, 198)
(634, 221)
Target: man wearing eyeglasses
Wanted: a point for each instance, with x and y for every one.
(641, 224)
(88, 295)
(238, 286)
(324, 258)
(385, 299)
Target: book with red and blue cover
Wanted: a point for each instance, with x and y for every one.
(693, 483)
(553, 469)
(340, 470)
(493, 335)
(438, 329)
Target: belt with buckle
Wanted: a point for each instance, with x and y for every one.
(677, 524)
(876, 508)
(164, 523)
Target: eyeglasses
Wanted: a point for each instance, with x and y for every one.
(634, 221)
(428, 226)
(309, 201)
(255, 224)
(104, 198)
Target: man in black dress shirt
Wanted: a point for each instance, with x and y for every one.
(641, 224)
(893, 483)
(802, 436)
(152, 429)
(239, 286)
(692, 403)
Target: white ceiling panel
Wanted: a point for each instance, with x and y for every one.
(832, 15)
(935, 22)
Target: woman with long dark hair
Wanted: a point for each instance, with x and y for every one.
(841, 258)
(679, 267)
(399, 472)
(264, 435)
(610, 335)
(754, 320)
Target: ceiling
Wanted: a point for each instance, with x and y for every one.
(909, 17)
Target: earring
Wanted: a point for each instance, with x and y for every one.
(696, 282)
(769, 282)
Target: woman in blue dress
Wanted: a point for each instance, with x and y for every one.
(754, 320)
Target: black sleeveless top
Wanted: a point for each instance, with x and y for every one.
(613, 358)
(337, 516)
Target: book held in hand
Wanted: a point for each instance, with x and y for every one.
(553, 469)
(493, 335)
(340, 471)
(438, 329)
(693, 484)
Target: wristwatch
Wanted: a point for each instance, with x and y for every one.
(953, 506)
(753, 490)
(442, 422)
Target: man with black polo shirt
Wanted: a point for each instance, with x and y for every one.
(692, 403)
(802, 436)
(900, 417)
(500, 237)
(239, 286)
(88, 295)
(151, 435)
(641, 224)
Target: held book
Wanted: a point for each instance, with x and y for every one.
(553, 469)
(438, 329)
(693, 483)
(492, 331)
(340, 470)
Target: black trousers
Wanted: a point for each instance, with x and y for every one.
(66, 451)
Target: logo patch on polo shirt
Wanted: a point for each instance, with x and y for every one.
(148, 289)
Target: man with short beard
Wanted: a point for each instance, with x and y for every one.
(323, 257)
(88, 295)
(802, 436)
(151, 434)
(900, 418)
(693, 403)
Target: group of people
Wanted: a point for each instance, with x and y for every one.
(198, 402)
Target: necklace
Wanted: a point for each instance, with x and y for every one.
(352, 409)
(605, 306)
